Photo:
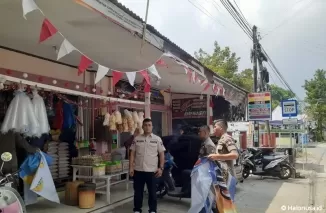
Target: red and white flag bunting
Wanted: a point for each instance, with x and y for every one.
(65, 49)
(48, 30)
(101, 72)
(131, 77)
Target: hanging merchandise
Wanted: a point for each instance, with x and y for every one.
(140, 122)
(69, 120)
(40, 113)
(106, 121)
(130, 121)
(20, 116)
(58, 121)
(112, 122)
(136, 119)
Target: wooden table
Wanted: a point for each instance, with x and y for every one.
(106, 178)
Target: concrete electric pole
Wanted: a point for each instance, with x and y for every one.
(254, 55)
(258, 58)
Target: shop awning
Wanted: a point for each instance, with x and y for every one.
(104, 40)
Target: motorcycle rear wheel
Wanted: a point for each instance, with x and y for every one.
(285, 172)
(161, 191)
(245, 173)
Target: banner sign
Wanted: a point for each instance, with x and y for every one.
(259, 106)
(189, 108)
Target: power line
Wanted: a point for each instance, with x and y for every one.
(245, 26)
(285, 21)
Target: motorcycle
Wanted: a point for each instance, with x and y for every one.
(10, 200)
(166, 183)
(258, 163)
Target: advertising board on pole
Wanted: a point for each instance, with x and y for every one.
(259, 106)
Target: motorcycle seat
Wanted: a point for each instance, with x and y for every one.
(272, 157)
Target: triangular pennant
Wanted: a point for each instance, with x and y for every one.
(28, 6)
(152, 69)
(101, 72)
(193, 77)
(65, 49)
(147, 87)
(203, 82)
(131, 77)
(47, 30)
(223, 91)
(206, 87)
(160, 62)
(146, 76)
(84, 64)
(189, 76)
(116, 76)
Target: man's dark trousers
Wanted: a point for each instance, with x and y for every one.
(140, 178)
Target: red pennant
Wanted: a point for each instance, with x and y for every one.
(147, 87)
(116, 76)
(161, 62)
(47, 30)
(40, 79)
(190, 76)
(146, 77)
(206, 87)
(84, 64)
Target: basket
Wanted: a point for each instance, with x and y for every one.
(125, 165)
(113, 168)
(99, 170)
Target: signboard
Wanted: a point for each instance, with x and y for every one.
(189, 108)
(290, 121)
(259, 106)
(289, 108)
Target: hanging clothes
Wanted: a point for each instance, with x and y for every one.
(20, 116)
(40, 113)
(69, 119)
(58, 120)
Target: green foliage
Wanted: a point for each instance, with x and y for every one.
(279, 94)
(225, 63)
(316, 99)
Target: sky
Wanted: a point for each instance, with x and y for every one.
(293, 31)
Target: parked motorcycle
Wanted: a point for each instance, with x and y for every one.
(10, 200)
(266, 164)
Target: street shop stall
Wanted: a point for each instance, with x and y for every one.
(56, 123)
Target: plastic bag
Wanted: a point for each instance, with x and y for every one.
(31, 164)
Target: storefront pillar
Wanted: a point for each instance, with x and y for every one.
(210, 113)
(147, 105)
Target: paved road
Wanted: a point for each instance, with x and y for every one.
(269, 195)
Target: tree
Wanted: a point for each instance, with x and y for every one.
(316, 99)
(225, 63)
(279, 94)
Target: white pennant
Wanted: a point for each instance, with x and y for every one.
(204, 82)
(29, 6)
(193, 77)
(152, 69)
(223, 91)
(65, 49)
(131, 77)
(101, 72)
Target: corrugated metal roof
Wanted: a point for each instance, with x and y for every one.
(179, 49)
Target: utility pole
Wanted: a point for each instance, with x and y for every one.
(254, 55)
